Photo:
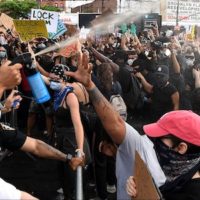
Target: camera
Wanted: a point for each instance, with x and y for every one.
(157, 45)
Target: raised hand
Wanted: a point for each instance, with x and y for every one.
(10, 75)
(9, 103)
(83, 74)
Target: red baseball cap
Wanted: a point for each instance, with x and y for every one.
(182, 123)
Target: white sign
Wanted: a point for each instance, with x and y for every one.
(188, 11)
(138, 7)
(69, 18)
(51, 18)
(60, 30)
(74, 4)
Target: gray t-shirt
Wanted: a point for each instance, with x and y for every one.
(125, 160)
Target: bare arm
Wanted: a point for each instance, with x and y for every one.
(196, 75)
(103, 58)
(176, 65)
(175, 100)
(41, 149)
(73, 105)
(27, 196)
(147, 86)
(112, 122)
(42, 71)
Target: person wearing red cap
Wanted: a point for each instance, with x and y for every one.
(176, 139)
(170, 163)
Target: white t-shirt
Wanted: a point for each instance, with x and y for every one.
(126, 157)
(8, 191)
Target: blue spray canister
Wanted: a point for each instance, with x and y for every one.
(38, 87)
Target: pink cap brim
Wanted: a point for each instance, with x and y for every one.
(154, 130)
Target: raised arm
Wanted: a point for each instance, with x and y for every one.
(175, 63)
(147, 86)
(112, 122)
(103, 58)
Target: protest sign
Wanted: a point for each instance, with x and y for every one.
(69, 18)
(146, 189)
(51, 18)
(30, 29)
(60, 30)
(70, 50)
(6, 21)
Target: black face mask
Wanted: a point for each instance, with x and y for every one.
(161, 80)
(178, 168)
(46, 61)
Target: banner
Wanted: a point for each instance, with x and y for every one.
(188, 11)
(69, 18)
(51, 18)
(30, 29)
(60, 30)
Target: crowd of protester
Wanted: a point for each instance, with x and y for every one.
(158, 77)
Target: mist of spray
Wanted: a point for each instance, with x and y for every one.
(100, 27)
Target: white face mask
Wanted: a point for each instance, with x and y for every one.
(130, 61)
(189, 62)
(2, 40)
(114, 45)
(168, 52)
(146, 53)
(2, 54)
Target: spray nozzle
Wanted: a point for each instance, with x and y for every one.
(25, 59)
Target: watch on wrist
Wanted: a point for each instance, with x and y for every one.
(68, 157)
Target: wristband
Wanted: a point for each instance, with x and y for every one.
(69, 157)
(80, 151)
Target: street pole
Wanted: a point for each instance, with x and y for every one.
(177, 13)
(102, 6)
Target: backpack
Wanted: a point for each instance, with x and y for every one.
(118, 104)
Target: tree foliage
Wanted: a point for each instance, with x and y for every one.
(17, 8)
(22, 8)
(50, 8)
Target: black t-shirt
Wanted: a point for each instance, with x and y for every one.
(12, 139)
(189, 80)
(124, 78)
(191, 191)
(161, 99)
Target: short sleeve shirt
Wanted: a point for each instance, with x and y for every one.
(11, 139)
(8, 191)
(125, 160)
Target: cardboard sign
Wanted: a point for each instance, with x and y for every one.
(71, 49)
(6, 21)
(51, 18)
(30, 29)
(60, 30)
(146, 189)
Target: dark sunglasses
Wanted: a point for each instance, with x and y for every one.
(189, 57)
